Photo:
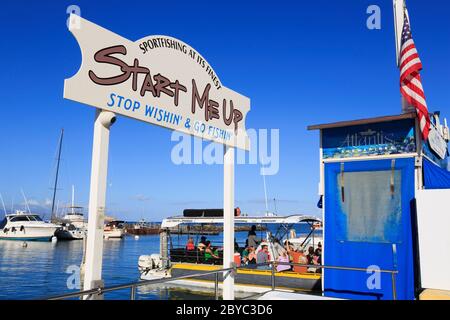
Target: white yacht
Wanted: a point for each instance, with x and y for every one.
(73, 224)
(75, 217)
(26, 226)
(114, 229)
(70, 232)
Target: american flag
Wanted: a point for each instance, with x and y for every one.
(410, 83)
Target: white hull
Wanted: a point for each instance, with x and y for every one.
(70, 234)
(155, 274)
(111, 234)
(76, 221)
(79, 224)
(43, 233)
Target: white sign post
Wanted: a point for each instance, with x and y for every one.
(160, 80)
(228, 222)
(99, 172)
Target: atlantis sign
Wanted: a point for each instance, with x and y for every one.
(159, 80)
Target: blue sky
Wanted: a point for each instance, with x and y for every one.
(300, 62)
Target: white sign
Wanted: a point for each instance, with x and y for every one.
(437, 142)
(157, 79)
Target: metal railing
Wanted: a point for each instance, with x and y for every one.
(134, 285)
(87, 294)
(323, 267)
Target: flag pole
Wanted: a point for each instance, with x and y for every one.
(399, 7)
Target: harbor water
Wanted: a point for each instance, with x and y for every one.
(43, 269)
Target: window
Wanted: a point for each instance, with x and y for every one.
(19, 218)
(3, 223)
(37, 218)
(370, 209)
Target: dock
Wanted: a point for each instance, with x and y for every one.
(285, 295)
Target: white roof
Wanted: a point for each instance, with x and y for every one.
(292, 219)
(20, 213)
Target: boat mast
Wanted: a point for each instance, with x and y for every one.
(265, 188)
(3, 203)
(26, 201)
(73, 199)
(57, 173)
(57, 209)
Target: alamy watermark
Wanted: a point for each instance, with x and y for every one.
(264, 150)
(73, 22)
(374, 20)
(374, 280)
(74, 279)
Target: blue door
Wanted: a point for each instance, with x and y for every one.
(368, 225)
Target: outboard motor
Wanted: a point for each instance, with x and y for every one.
(149, 262)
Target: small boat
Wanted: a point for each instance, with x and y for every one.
(114, 229)
(73, 224)
(75, 217)
(142, 228)
(26, 226)
(70, 232)
(175, 260)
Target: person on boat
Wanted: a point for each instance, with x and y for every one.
(252, 240)
(318, 253)
(251, 259)
(284, 258)
(288, 246)
(210, 255)
(236, 246)
(278, 248)
(310, 255)
(190, 245)
(202, 244)
(263, 257)
(298, 257)
(245, 255)
(312, 259)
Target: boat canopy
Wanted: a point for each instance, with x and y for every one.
(292, 219)
(23, 216)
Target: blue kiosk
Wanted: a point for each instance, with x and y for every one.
(370, 171)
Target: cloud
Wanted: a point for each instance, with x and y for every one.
(259, 201)
(141, 197)
(37, 203)
(33, 202)
(36, 206)
(188, 202)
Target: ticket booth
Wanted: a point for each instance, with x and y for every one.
(370, 171)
